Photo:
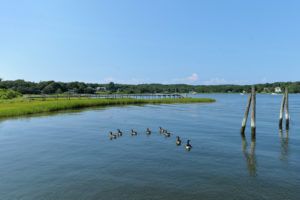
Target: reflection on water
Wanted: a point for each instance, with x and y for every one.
(250, 157)
(63, 112)
(69, 155)
(284, 144)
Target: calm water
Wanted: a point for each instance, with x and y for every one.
(70, 156)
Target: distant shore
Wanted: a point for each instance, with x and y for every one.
(19, 107)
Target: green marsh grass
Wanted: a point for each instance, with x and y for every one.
(22, 106)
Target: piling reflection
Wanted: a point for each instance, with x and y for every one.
(250, 156)
(284, 143)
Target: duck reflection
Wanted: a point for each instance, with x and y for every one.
(250, 156)
(284, 143)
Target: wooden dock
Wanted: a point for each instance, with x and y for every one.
(109, 96)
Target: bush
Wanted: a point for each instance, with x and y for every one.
(9, 94)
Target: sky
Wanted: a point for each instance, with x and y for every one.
(199, 42)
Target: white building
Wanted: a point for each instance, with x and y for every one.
(101, 89)
(277, 89)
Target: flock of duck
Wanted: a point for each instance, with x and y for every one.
(188, 146)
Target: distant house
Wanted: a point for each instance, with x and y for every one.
(277, 89)
(103, 89)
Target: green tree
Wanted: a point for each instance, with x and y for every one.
(49, 89)
(89, 90)
(1, 85)
(111, 87)
(58, 91)
(8, 94)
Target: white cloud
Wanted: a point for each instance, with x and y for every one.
(190, 79)
(193, 78)
(216, 81)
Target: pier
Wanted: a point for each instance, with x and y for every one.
(109, 96)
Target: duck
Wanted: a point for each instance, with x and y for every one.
(119, 132)
(188, 146)
(167, 134)
(133, 132)
(112, 136)
(148, 132)
(178, 141)
(161, 129)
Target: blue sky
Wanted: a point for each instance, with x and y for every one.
(150, 41)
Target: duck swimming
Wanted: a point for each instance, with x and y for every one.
(119, 132)
(112, 136)
(167, 134)
(178, 141)
(133, 132)
(188, 146)
(161, 129)
(148, 132)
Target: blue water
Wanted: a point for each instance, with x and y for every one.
(70, 156)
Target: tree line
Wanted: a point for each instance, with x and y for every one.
(53, 87)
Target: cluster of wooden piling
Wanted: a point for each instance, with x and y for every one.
(285, 102)
(250, 158)
(251, 101)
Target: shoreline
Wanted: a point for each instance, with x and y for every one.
(23, 108)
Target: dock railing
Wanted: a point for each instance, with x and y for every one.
(107, 96)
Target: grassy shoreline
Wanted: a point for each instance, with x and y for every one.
(24, 107)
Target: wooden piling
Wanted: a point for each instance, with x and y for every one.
(281, 111)
(287, 117)
(253, 113)
(246, 114)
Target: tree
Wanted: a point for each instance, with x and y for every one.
(49, 89)
(89, 90)
(58, 91)
(111, 87)
(8, 94)
(1, 86)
